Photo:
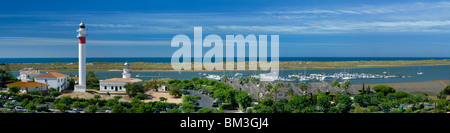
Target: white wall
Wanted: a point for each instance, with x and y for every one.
(61, 82)
(24, 77)
(110, 86)
(39, 88)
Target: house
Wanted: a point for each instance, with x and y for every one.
(163, 88)
(26, 87)
(117, 84)
(55, 80)
(27, 74)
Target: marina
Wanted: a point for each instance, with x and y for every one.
(355, 75)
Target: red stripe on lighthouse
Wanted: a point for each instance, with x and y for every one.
(82, 40)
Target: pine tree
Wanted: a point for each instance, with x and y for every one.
(363, 91)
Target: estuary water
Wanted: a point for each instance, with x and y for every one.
(441, 72)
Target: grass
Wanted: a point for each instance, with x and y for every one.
(287, 65)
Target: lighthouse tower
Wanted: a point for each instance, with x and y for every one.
(81, 87)
(126, 71)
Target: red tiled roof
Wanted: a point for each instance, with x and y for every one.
(52, 75)
(27, 84)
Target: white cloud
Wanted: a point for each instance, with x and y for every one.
(328, 27)
(27, 41)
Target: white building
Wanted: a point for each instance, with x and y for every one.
(163, 88)
(26, 87)
(27, 74)
(55, 80)
(117, 84)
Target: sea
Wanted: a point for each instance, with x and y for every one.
(409, 73)
(168, 59)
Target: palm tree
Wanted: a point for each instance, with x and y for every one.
(346, 85)
(268, 86)
(336, 83)
(241, 80)
(290, 92)
(224, 78)
(154, 84)
(304, 86)
(92, 79)
(295, 79)
(275, 89)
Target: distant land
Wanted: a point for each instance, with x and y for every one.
(168, 59)
(284, 65)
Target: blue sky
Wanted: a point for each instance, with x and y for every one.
(318, 28)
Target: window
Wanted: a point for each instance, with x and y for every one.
(105, 87)
(120, 87)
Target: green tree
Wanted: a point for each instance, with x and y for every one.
(345, 85)
(187, 107)
(241, 80)
(31, 106)
(162, 99)
(290, 92)
(243, 99)
(174, 111)
(6, 77)
(153, 84)
(402, 94)
(13, 89)
(295, 79)
(92, 80)
(146, 108)
(304, 87)
(53, 92)
(141, 96)
(368, 90)
(132, 89)
(386, 105)
(443, 93)
(118, 109)
(323, 101)
(61, 107)
(97, 97)
(175, 91)
(206, 110)
(299, 103)
(224, 78)
(363, 90)
(268, 87)
(91, 109)
(117, 98)
(275, 89)
(385, 89)
(79, 105)
(336, 83)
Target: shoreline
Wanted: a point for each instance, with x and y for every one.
(167, 67)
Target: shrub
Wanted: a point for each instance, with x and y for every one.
(13, 89)
(205, 110)
(174, 111)
(385, 89)
(402, 94)
(92, 109)
(373, 108)
(141, 96)
(175, 91)
(396, 111)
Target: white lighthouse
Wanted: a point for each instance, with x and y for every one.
(126, 71)
(81, 87)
